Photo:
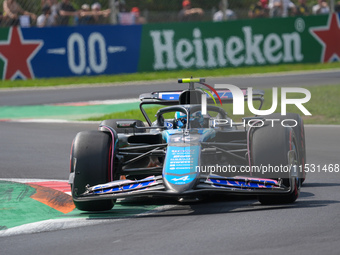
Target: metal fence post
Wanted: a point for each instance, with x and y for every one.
(113, 15)
(331, 3)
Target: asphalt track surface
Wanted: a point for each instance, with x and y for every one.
(222, 225)
(133, 90)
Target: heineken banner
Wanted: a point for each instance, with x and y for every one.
(240, 43)
(93, 50)
(68, 51)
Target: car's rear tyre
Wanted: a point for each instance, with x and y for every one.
(299, 131)
(270, 147)
(91, 163)
(113, 124)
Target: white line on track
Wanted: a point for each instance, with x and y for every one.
(52, 225)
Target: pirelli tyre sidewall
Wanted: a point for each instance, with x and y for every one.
(299, 131)
(270, 147)
(113, 124)
(91, 163)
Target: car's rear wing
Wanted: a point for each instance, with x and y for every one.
(172, 98)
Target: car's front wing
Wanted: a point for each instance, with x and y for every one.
(154, 186)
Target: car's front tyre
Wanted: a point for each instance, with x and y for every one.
(270, 147)
(91, 156)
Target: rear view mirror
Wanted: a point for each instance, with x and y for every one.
(126, 124)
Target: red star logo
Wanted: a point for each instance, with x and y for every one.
(17, 54)
(329, 38)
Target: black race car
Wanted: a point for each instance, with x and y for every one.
(191, 149)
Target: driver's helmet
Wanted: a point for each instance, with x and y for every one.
(196, 120)
(180, 119)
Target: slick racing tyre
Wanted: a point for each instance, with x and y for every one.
(113, 123)
(270, 147)
(294, 119)
(91, 163)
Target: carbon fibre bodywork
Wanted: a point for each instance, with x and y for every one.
(177, 162)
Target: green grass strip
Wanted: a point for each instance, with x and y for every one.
(324, 107)
(165, 75)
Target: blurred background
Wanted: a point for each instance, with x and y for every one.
(161, 11)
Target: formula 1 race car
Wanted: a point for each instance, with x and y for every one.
(192, 148)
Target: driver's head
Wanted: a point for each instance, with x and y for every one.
(196, 120)
(180, 119)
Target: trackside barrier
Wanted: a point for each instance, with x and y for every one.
(27, 53)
